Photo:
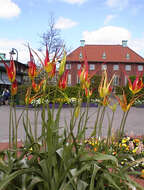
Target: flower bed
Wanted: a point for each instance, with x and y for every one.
(58, 156)
(128, 150)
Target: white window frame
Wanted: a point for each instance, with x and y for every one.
(78, 80)
(69, 79)
(127, 56)
(4, 76)
(115, 67)
(78, 66)
(126, 81)
(128, 67)
(68, 66)
(140, 67)
(18, 78)
(104, 67)
(116, 80)
(91, 67)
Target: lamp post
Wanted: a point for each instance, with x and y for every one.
(12, 52)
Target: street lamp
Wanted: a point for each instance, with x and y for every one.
(12, 52)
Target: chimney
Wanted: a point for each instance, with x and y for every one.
(82, 43)
(124, 43)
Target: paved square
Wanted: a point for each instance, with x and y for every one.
(134, 124)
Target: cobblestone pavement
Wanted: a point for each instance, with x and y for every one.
(134, 123)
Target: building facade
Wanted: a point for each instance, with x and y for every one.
(117, 59)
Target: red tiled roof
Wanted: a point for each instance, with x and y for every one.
(114, 53)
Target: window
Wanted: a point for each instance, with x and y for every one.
(126, 80)
(116, 80)
(78, 66)
(78, 80)
(80, 56)
(116, 67)
(68, 66)
(104, 67)
(128, 67)
(91, 67)
(5, 78)
(104, 55)
(127, 56)
(140, 67)
(69, 79)
(18, 78)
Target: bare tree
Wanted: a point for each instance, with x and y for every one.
(52, 37)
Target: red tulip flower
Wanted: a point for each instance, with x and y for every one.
(32, 71)
(14, 88)
(27, 96)
(62, 64)
(50, 66)
(11, 70)
(63, 80)
(47, 64)
(104, 87)
(83, 74)
(88, 92)
(37, 87)
(137, 85)
(123, 102)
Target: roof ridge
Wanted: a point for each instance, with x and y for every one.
(102, 45)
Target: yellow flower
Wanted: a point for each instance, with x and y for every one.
(136, 141)
(86, 141)
(77, 111)
(92, 144)
(95, 149)
(114, 153)
(124, 145)
(124, 140)
(134, 150)
(123, 102)
(31, 149)
(62, 64)
(127, 148)
(113, 107)
(104, 87)
(142, 173)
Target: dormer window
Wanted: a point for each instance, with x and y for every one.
(80, 56)
(127, 56)
(104, 55)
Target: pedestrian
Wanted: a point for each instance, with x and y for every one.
(5, 95)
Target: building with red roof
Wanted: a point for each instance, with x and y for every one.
(117, 59)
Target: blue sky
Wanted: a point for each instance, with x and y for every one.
(95, 21)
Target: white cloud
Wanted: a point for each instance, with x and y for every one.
(21, 46)
(137, 45)
(7, 45)
(109, 18)
(8, 9)
(107, 35)
(120, 4)
(114, 35)
(74, 1)
(64, 23)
